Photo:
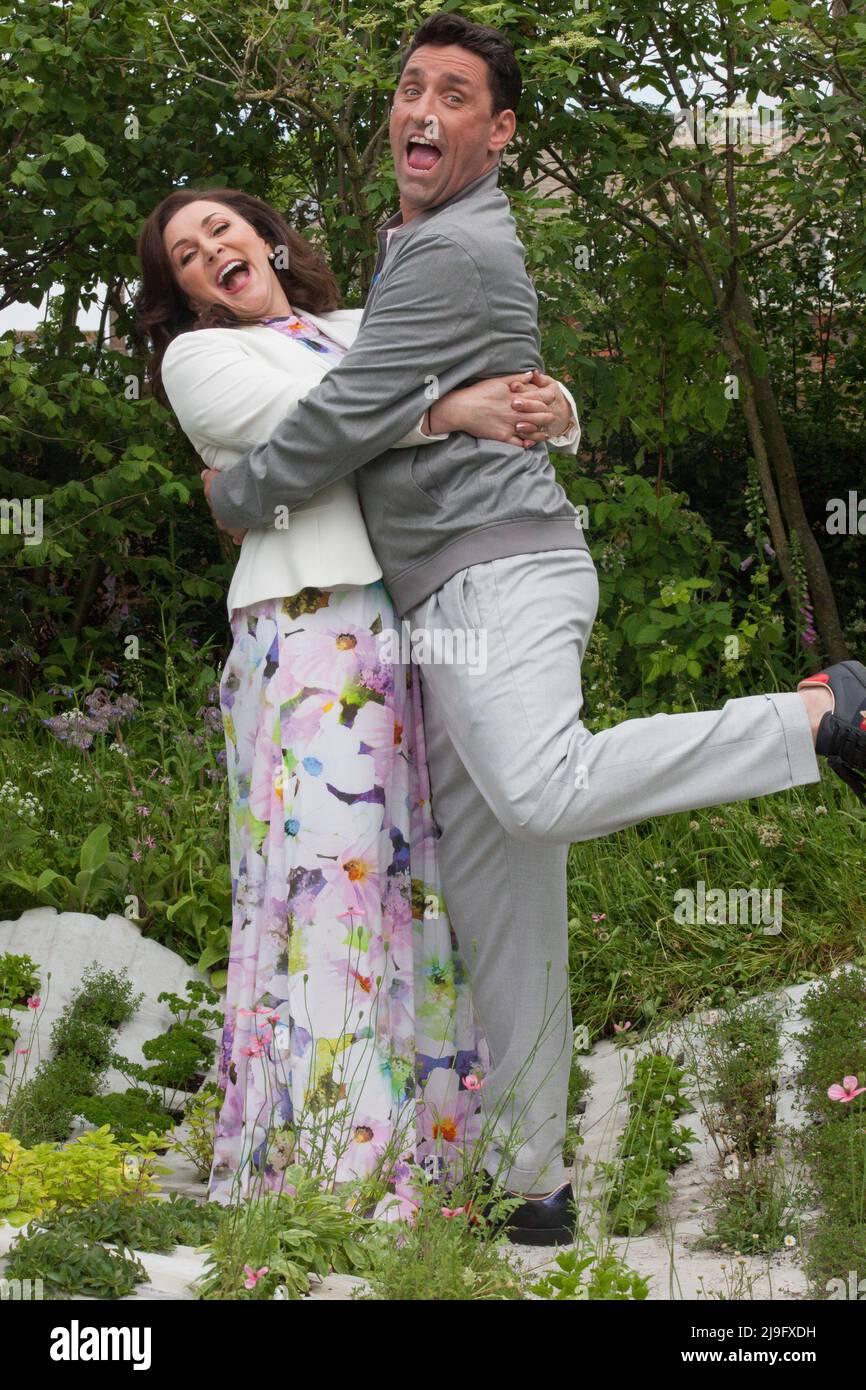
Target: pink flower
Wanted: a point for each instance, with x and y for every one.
(369, 1141)
(143, 810)
(136, 854)
(375, 727)
(622, 1027)
(599, 916)
(448, 1212)
(354, 880)
(255, 1049)
(847, 1091)
(253, 1275)
(22, 1051)
(34, 1001)
(447, 1114)
(473, 1082)
(329, 658)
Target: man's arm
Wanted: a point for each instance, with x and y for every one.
(425, 334)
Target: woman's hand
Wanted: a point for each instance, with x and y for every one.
(524, 409)
(207, 477)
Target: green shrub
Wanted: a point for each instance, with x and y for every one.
(837, 1247)
(292, 1235)
(19, 979)
(8, 1038)
(651, 1145)
(200, 1116)
(744, 1051)
(833, 1044)
(56, 1177)
(609, 1279)
(128, 1113)
(105, 996)
(42, 1108)
(73, 1035)
(69, 1264)
(184, 1052)
(151, 1225)
(183, 1055)
(444, 1258)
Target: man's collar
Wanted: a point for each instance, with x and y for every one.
(489, 178)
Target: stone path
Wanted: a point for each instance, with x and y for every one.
(667, 1256)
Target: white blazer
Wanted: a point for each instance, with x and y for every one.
(230, 388)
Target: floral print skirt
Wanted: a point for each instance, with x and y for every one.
(350, 1039)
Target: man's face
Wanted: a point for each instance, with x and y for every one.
(444, 98)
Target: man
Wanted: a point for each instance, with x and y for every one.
(479, 534)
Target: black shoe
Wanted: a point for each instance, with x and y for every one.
(548, 1220)
(842, 733)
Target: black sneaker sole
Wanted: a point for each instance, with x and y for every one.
(558, 1235)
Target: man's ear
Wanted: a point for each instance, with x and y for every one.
(504, 126)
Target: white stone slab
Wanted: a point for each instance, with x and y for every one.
(63, 943)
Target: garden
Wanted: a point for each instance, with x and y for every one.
(705, 312)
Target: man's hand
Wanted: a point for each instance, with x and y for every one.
(208, 475)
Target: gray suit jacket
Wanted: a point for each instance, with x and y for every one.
(450, 303)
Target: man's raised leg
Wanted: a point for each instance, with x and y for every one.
(514, 717)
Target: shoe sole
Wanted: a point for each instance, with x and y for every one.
(558, 1235)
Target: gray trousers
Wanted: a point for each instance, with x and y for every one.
(515, 778)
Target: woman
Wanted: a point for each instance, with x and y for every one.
(349, 1036)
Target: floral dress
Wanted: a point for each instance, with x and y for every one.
(350, 1041)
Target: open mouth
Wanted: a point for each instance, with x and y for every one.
(421, 153)
(234, 276)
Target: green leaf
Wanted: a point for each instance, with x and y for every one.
(94, 851)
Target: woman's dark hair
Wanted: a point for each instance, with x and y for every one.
(162, 311)
(503, 70)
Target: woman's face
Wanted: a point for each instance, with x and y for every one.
(219, 258)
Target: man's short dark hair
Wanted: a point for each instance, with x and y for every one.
(503, 71)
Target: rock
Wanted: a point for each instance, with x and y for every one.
(63, 943)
